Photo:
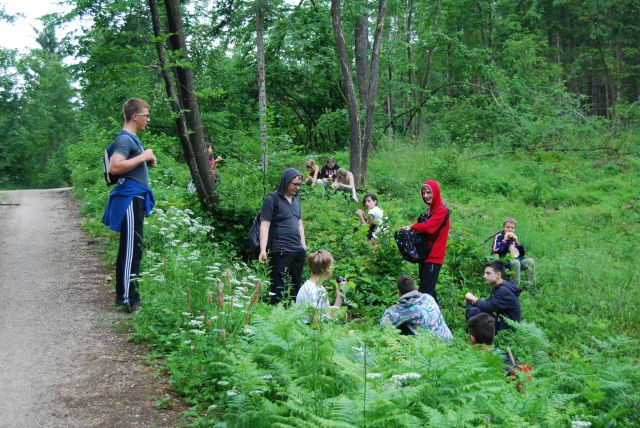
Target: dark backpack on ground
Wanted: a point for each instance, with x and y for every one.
(413, 245)
(254, 232)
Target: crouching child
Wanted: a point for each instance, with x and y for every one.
(415, 312)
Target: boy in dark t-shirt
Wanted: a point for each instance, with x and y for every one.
(329, 171)
(130, 200)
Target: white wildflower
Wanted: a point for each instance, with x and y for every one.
(212, 407)
(374, 375)
(186, 314)
(577, 424)
(187, 342)
(402, 378)
(232, 393)
(267, 377)
(223, 383)
(197, 332)
(195, 323)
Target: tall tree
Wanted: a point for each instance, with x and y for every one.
(195, 151)
(262, 90)
(360, 141)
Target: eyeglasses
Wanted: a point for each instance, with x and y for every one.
(145, 115)
(298, 184)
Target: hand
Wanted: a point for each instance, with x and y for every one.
(470, 298)
(262, 258)
(149, 157)
(359, 212)
(406, 228)
(219, 159)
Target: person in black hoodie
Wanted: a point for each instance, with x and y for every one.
(503, 302)
(282, 233)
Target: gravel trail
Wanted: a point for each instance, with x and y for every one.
(62, 364)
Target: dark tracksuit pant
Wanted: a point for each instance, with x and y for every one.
(130, 253)
(429, 278)
(286, 274)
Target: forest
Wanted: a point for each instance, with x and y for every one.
(517, 108)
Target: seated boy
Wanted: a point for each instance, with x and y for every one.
(503, 301)
(482, 333)
(415, 312)
(312, 292)
(507, 242)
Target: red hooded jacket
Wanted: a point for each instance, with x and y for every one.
(436, 213)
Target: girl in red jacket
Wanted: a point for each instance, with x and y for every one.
(434, 222)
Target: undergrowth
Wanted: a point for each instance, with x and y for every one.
(240, 362)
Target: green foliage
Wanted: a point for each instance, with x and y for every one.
(276, 371)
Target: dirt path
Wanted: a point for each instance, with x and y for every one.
(61, 362)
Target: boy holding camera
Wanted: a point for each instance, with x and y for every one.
(312, 292)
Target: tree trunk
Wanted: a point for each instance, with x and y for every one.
(411, 75)
(183, 132)
(361, 31)
(371, 92)
(350, 92)
(262, 92)
(390, 111)
(189, 104)
(427, 71)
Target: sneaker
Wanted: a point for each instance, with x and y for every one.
(123, 305)
(135, 307)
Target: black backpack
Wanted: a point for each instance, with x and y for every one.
(254, 232)
(413, 245)
(109, 178)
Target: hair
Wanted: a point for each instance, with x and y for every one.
(509, 220)
(331, 158)
(482, 327)
(341, 176)
(373, 197)
(319, 261)
(406, 285)
(131, 106)
(310, 163)
(496, 265)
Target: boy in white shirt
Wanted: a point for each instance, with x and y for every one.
(374, 214)
(312, 292)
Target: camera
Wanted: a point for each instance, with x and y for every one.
(341, 279)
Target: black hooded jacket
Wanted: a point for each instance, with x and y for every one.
(285, 216)
(503, 302)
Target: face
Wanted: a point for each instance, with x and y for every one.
(331, 163)
(509, 227)
(294, 186)
(369, 203)
(209, 150)
(490, 276)
(427, 195)
(141, 118)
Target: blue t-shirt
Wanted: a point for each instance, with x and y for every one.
(129, 146)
